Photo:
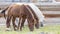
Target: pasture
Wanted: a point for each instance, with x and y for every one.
(50, 29)
(52, 26)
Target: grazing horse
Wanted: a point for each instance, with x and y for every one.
(36, 18)
(21, 12)
(27, 8)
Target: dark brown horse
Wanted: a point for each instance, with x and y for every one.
(14, 11)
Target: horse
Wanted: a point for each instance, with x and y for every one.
(36, 18)
(16, 12)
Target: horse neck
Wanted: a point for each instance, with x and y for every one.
(35, 16)
(28, 12)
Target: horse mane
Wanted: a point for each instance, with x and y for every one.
(33, 12)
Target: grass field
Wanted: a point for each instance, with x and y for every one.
(51, 29)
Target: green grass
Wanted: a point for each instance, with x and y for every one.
(51, 29)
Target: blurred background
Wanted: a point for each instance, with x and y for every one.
(49, 8)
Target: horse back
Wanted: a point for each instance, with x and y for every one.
(15, 10)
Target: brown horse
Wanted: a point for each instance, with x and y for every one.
(36, 22)
(35, 17)
(15, 11)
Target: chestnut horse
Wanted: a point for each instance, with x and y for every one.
(21, 12)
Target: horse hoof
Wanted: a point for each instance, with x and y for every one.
(15, 30)
(8, 29)
(37, 27)
(31, 29)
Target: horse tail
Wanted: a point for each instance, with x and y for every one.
(3, 11)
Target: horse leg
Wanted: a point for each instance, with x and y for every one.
(13, 22)
(31, 24)
(19, 24)
(22, 23)
(37, 24)
(8, 23)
